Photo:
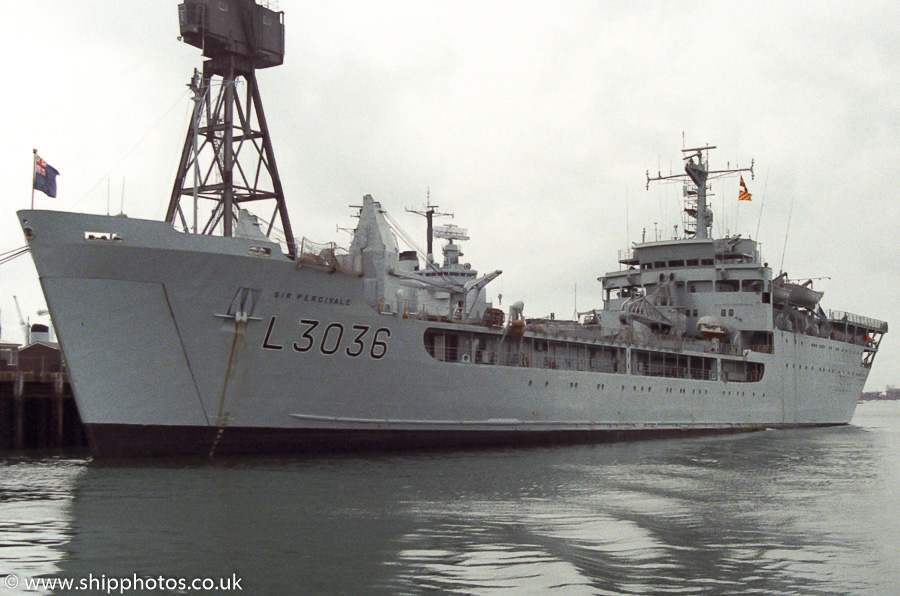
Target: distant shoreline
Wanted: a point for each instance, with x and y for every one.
(890, 395)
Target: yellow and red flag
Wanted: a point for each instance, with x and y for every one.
(744, 194)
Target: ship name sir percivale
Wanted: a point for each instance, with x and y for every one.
(301, 297)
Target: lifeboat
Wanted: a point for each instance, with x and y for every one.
(712, 327)
(802, 295)
(517, 327)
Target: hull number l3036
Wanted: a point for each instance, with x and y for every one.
(330, 338)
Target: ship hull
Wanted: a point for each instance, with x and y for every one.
(187, 344)
(112, 441)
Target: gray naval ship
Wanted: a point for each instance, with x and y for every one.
(190, 338)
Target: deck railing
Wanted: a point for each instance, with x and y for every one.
(838, 316)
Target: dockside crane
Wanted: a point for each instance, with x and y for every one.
(25, 333)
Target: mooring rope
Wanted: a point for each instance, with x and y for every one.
(13, 254)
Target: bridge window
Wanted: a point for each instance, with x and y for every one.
(727, 285)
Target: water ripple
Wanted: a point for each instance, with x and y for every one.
(35, 520)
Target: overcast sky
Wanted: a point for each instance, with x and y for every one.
(533, 122)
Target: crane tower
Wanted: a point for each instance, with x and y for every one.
(227, 159)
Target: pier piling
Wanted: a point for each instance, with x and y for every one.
(37, 411)
(18, 422)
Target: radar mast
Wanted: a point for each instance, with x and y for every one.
(697, 170)
(429, 214)
(227, 156)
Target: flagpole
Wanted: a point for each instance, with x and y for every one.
(33, 163)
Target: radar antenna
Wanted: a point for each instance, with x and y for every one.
(228, 146)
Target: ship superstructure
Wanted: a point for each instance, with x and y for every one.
(181, 340)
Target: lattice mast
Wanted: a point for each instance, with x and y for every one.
(697, 170)
(227, 156)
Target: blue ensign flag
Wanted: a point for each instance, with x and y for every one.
(45, 177)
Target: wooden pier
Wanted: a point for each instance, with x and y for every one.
(37, 411)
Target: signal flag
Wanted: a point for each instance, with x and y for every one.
(744, 194)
